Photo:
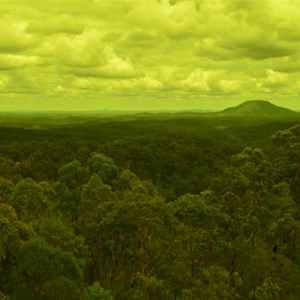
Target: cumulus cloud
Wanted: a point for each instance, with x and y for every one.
(143, 84)
(86, 55)
(229, 86)
(274, 78)
(273, 81)
(22, 81)
(175, 21)
(149, 83)
(167, 49)
(62, 24)
(232, 38)
(209, 82)
(14, 37)
(16, 61)
(197, 80)
(4, 79)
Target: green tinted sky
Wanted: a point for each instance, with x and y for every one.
(148, 54)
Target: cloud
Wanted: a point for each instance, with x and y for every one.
(229, 86)
(248, 41)
(142, 39)
(83, 83)
(177, 21)
(86, 55)
(16, 61)
(14, 37)
(274, 78)
(116, 66)
(181, 51)
(85, 50)
(286, 64)
(112, 68)
(62, 24)
(60, 89)
(255, 30)
(273, 81)
(143, 84)
(198, 80)
(255, 44)
(21, 81)
(209, 82)
(4, 79)
(149, 83)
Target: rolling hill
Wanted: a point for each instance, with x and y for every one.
(257, 108)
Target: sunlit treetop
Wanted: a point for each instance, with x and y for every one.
(148, 54)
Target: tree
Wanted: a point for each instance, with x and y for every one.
(12, 233)
(73, 174)
(97, 200)
(6, 188)
(46, 272)
(128, 182)
(3, 296)
(7, 168)
(96, 292)
(267, 291)
(289, 141)
(29, 200)
(197, 218)
(217, 284)
(59, 234)
(138, 238)
(104, 167)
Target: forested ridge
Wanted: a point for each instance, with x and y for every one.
(151, 209)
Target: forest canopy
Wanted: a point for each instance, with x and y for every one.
(101, 211)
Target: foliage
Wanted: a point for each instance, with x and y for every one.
(96, 292)
(153, 209)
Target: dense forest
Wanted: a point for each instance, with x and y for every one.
(150, 207)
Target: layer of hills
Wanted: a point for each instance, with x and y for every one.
(257, 108)
(249, 109)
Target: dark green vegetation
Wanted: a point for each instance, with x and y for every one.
(157, 207)
(259, 108)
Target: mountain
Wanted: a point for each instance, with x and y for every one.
(257, 108)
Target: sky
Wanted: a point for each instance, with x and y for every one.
(148, 54)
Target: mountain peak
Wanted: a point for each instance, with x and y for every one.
(257, 108)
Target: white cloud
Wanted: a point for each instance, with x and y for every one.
(14, 37)
(86, 55)
(9, 61)
(149, 83)
(276, 78)
(59, 24)
(171, 49)
(210, 82)
(197, 80)
(228, 86)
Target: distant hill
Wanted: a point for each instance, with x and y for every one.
(257, 108)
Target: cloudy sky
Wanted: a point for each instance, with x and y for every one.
(148, 54)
